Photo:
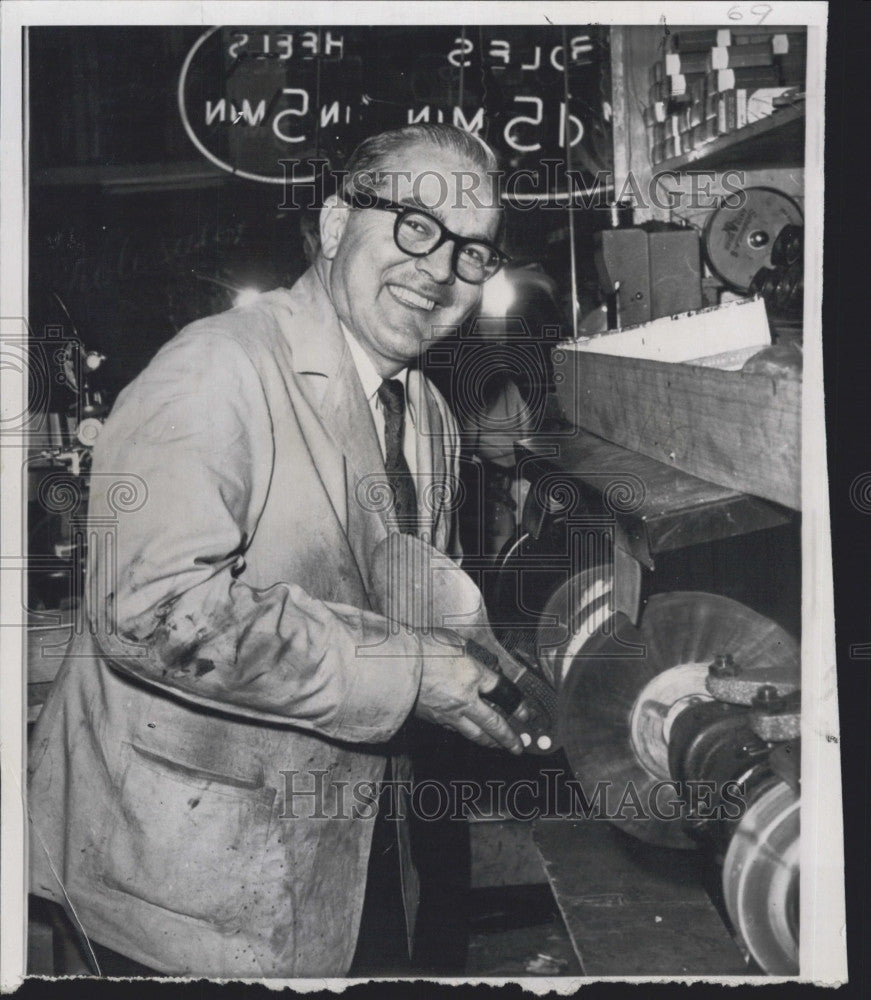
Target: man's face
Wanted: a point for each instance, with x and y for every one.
(394, 303)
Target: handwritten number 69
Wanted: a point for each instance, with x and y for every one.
(758, 10)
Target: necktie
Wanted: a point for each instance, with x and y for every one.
(392, 396)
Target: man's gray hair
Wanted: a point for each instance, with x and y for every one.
(372, 156)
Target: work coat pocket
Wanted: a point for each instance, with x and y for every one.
(187, 840)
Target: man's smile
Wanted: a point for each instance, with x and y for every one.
(412, 299)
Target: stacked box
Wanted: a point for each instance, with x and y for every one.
(712, 81)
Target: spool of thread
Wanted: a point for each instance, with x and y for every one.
(88, 431)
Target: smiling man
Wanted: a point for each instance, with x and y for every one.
(396, 294)
(190, 772)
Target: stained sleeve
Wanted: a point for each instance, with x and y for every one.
(181, 474)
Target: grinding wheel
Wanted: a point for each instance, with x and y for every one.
(625, 685)
(739, 241)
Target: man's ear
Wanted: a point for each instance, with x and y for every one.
(334, 218)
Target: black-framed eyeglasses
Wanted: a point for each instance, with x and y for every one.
(418, 233)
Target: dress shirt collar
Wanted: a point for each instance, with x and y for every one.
(369, 377)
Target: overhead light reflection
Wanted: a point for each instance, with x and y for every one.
(246, 296)
(499, 295)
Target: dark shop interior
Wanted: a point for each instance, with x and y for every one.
(610, 393)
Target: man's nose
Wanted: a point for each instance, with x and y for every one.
(438, 264)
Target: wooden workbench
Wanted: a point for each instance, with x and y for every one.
(632, 909)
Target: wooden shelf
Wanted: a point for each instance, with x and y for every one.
(678, 510)
(774, 141)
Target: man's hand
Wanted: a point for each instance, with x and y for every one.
(450, 689)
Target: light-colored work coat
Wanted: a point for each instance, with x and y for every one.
(231, 660)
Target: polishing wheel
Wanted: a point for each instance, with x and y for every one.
(761, 879)
(621, 687)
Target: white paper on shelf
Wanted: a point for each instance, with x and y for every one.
(724, 329)
(760, 102)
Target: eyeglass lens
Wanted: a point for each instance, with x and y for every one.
(417, 234)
